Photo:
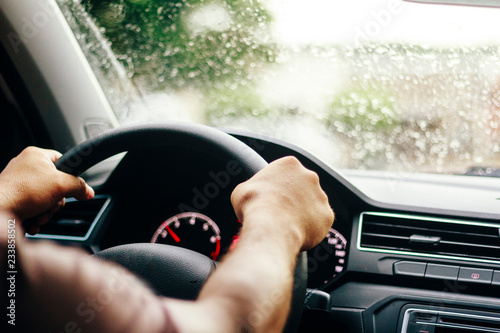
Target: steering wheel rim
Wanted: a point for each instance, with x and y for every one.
(196, 137)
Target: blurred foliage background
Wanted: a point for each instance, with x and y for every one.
(173, 44)
(366, 118)
(376, 105)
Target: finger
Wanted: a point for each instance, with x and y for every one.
(53, 155)
(58, 206)
(43, 219)
(54, 209)
(33, 229)
(77, 188)
(33, 225)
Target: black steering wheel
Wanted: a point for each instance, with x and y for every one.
(186, 271)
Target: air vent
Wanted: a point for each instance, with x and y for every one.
(75, 221)
(426, 236)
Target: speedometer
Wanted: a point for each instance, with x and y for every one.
(192, 231)
(327, 260)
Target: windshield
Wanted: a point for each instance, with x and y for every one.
(379, 85)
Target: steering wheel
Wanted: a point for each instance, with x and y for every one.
(186, 271)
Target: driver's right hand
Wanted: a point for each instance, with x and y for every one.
(285, 187)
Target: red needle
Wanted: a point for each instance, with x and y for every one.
(174, 236)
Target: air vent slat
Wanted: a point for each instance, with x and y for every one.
(75, 220)
(471, 245)
(423, 235)
(492, 235)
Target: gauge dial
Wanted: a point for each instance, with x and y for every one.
(327, 260)
(192, 231)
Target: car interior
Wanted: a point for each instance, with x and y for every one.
(415, 246)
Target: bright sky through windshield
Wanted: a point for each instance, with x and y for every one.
(327, 21)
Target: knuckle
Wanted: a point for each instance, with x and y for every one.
(324, 196)
(291, 160)
(235, 194)
(81, 183)
(31, 150)
(312, 176)
(243, 194)
(332, 215)
(238, 193)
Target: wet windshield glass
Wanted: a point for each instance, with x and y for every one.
(379, 85)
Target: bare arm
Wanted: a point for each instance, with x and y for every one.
(283, 210)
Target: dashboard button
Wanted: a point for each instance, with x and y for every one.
(477, 275)
(441, 272)
(410, 268)
(496, 278)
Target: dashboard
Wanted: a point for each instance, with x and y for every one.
(382, 267)
(421, 257)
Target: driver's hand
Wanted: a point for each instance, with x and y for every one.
(286, 189)
(31, 186)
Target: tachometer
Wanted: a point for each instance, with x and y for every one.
(192, 231)
(327, 260)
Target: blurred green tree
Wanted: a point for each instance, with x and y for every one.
(172, 44)
(366, 119)
(229, 104)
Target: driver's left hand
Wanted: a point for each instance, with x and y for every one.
(31, 186)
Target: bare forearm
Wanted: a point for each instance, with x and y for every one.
(92, 296)
(251, 290)
(262, 282)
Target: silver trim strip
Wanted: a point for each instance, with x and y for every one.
(418, 254)
(406, 319)
(77, 238)
(476, 3)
